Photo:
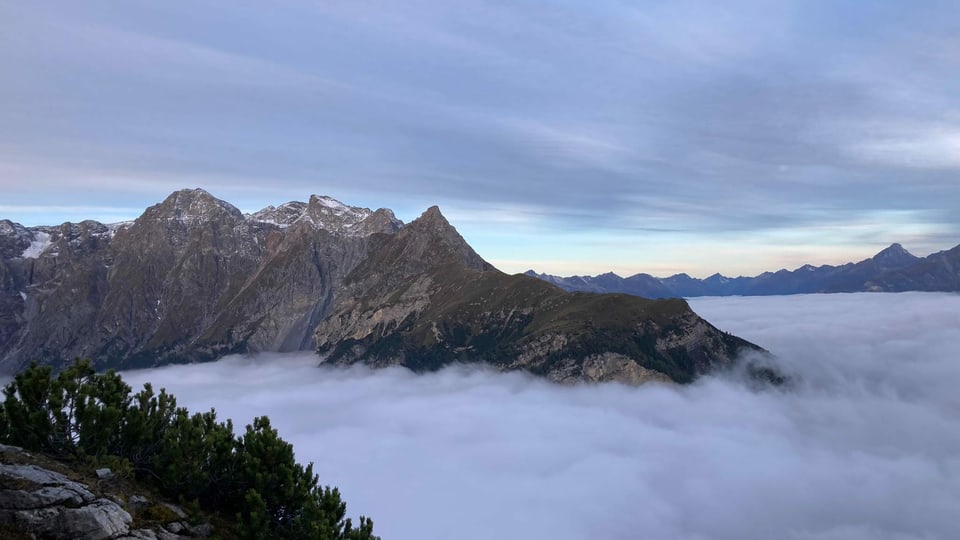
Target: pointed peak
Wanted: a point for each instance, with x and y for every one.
(894, 252)
(432, 217)
(895, 247)
(436, 239)
(432, 213)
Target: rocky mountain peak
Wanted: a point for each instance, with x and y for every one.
(433, 220)
(9, 228)
(433, 213)
(434, 240)
(192, 206)
(14, 239)
(331, 215)
(282, 216)
(381, 221)
(895, 253)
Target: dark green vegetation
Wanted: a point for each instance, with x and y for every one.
(253, 480)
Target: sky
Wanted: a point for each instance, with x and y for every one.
(569, 137)
(864, 444)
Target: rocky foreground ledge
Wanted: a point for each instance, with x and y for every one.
(39, 499)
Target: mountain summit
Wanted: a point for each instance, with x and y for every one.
(423, 299)
(895, 256)
(193, 279)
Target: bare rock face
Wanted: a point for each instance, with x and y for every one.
(194, 278)
(423, 299)
(50, 505)
(191, 279)
(43, 503)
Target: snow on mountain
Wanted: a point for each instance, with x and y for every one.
(41, 241)
(321, 213)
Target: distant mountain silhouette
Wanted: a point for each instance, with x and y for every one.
(892, 270)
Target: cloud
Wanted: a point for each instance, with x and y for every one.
(865, 446)
(936, 147)
(609, 116)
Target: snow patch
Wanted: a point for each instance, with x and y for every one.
(40, 243)
(272, 222)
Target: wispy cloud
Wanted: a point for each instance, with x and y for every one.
(723, 118)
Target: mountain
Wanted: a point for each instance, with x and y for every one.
(424, 298)
(193, 279)
(893, 269)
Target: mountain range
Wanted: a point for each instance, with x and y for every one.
(193, 279)
(892, 270)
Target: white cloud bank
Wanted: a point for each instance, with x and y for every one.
(867, 446)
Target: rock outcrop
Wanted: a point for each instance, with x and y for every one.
(36, 502)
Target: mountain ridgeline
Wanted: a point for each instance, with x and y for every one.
(193, 279)
(892, 270)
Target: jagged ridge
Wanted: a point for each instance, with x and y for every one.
(193, 279)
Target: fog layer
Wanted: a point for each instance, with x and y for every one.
(865, 445)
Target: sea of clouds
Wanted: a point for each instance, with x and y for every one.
(865, 444)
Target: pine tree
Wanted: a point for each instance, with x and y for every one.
(92, 417)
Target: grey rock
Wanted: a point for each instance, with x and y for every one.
(176, 510)
(138, 501)
(139, 534)
(45, 488)
(101, 519)
(202, 530)
(175, 527)
(104, 474)
(191, 279)
(164, 534)
(12, 450)
(47, 503)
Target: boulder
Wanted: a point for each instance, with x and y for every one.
(50, 505)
